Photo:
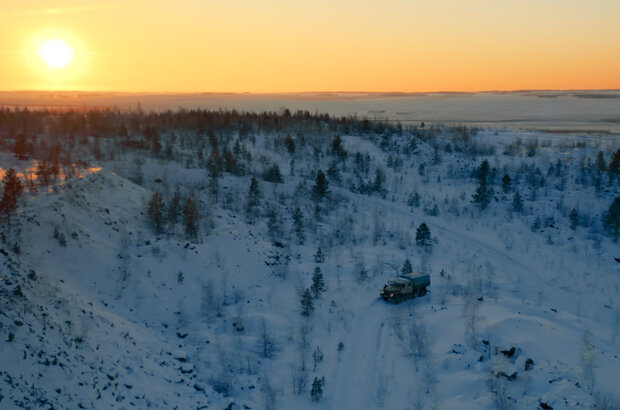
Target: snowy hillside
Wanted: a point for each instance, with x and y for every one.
(172, 272)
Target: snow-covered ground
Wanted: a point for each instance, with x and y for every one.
(97, 311)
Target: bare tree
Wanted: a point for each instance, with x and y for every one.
(270, 394)
(299, 378)
(267, 344)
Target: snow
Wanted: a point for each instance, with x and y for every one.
(120, 317)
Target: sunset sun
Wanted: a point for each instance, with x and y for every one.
(55, 53)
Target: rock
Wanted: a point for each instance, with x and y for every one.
(510, 352)
(529, 364)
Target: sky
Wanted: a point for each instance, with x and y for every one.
(324, 45)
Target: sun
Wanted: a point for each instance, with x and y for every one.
(55, 53)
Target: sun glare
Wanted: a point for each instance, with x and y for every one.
(55, 53)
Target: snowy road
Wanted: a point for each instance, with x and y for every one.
(363, 350)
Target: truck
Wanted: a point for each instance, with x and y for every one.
(406, 286)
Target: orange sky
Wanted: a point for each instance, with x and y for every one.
(336, 45)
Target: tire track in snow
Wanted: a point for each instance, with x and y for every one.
(357, 371)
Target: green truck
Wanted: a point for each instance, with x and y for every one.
(406, 286)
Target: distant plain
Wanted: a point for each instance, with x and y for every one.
(582, 112)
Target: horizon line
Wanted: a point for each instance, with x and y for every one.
(81, 91)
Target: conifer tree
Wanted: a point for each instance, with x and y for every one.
(190, 218)
(12, 189)
(156, 212)
(407, 268)
(299, 225)
(574, 219)
(273, 174)
(319, 257)
(230, 164)
(307, 305)
(484, 193)
(537, 224)
(611, 219)
(290, 144)
(517, 202)
(274, 227)
(253, 199)
(600, 162)
(318, 283)
(414, 200)
(337, 148)
(173, 208)
(321, 186)
(377, 186)
(317, 389)
(423, 235)
(614, 165)
(506, 183)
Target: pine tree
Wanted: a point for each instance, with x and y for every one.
(290, 144)
(321, 187)
(12, 189)
(274, 227)
(600, 162)
(611, 219)
(253, 199)
(574, 219)
(484, 193)
(377, 186)
(173, 208)
(319, 257)
(307, 305)
(46, 172)
(337, 148)
(299, 225)
(190, 218)
(614, 165)
(333, 172)
(506, 183)
(423, 235)
(318, 283)
(517, 202)
(21, 147)
(362, 273)
(537, 224)
(273, 174)
(407, 268)
(482, 173)
(317, 389)
(414, 200)
(156, 212)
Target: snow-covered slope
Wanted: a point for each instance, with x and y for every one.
(97, 311)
